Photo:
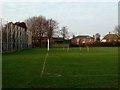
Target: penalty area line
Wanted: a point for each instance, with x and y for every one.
(43, 68)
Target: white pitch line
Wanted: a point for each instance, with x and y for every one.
(43, 68)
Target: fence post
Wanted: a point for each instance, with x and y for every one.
(21, 38)
(15, 38)
(11, 37)
(7, 36)
(1, 37)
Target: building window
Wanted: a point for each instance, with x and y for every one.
(90, 40)
(78, 40)
(83, 42)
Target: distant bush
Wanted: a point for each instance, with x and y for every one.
(103, 44)
(98, 44)
(59, 45)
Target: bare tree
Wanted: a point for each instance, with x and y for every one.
(37, 24)
(97, 37)
(71, 35)
(41, 27)
(52, 26)
(117, 30)
(64, 32)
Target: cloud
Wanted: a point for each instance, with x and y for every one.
(85, 17)
(59, 0)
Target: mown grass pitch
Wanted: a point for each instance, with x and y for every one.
(73, 69)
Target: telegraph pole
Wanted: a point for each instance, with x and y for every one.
(48, 44)
(1, 37)
(7, 36)
(48, 41)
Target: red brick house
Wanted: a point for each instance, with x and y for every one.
(111, 38)
(82, 39)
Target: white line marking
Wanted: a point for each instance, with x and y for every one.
(97, 75)
(43, 68)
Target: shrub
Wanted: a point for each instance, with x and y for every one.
(98, 44)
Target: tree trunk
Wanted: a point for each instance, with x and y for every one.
(40, 41)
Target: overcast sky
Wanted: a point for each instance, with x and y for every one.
(80, 17)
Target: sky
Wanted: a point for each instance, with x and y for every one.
(86, 18)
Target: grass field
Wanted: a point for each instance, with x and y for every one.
(97, 68)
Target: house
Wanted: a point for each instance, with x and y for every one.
(111, 38)
(82, 39)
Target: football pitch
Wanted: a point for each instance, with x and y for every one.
(95, 67)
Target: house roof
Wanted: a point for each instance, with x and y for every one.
(83, 36)
(111, 36)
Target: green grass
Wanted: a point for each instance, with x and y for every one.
(97, 68)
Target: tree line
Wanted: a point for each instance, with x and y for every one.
(42, 27)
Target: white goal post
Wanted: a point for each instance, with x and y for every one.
(48, 45)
